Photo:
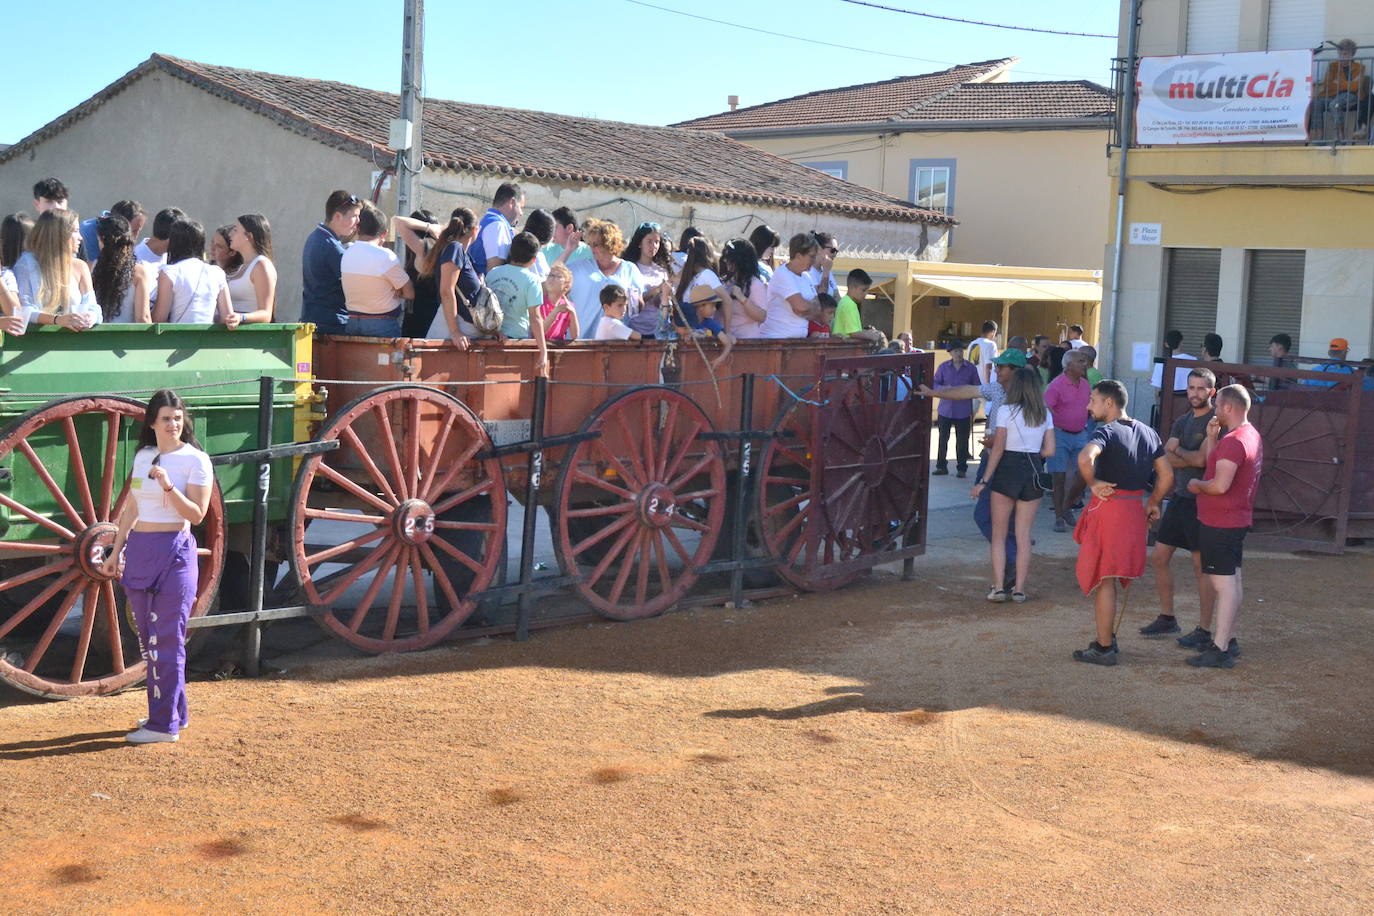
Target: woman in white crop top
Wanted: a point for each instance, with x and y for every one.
(190, 290)
(1012, 471)
(253, 287)
(169, 490)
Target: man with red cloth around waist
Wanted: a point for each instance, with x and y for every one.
(1116, 466)
(1225, 511)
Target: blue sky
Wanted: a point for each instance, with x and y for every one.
(600, 58)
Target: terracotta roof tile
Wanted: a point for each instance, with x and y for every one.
(882, 101)
(532, 144)
(1070, 99)
(958, 94)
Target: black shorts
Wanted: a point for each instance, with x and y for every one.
(1221, 549)
(1017, 476)
(1179, 526)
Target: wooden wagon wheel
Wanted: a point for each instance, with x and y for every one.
(785, 500)
(390, 503)
(59, 567)
(640, 506)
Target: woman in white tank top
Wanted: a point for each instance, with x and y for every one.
(189, 290)
(121, 283)
(253, 288)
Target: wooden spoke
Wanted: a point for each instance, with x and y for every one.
(43, 474)
(342, 584)
(628, 563)
(599, 511)
(378, 579)
(351, 437)
(29, 547)
(592, 540)
(421, 598)
(77, 467)
(329, 473)
(583, 477)
(339, 515)
(107, 473)
(466, 526)
(458, 555)
(315, 559)
(44, 641)
(436, 456)
(441, 578)
(646, 542)
(393, 457)
(398, 590)
(412, 434)
(672, 538)
(110, 605)
(33, 516)
(636, 459)
(462, 497)
(616, 465)
(38, 601)
(682, 521)
(33, 575)
(669, 428)
(681, 452)
(440, 485)
(89, 610)
(616, 549)
(696, 469)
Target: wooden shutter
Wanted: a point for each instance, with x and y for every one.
(1295, 24)
(1273, 301)
(1213, 26)
(1191, 295)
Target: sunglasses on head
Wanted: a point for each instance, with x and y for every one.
(652, 227)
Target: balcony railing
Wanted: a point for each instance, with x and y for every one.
(1340, 115)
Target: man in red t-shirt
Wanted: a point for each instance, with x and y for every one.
(1225, 503)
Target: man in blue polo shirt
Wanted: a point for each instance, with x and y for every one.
(322, 296)
(494, 233)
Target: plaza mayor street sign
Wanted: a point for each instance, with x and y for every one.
(1224, 98)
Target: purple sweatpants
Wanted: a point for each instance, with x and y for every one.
(160, 577)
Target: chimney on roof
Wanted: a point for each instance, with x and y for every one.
(732, 101)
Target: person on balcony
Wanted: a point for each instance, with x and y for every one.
(1343, 88)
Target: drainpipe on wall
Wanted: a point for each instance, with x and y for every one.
(1127, 119)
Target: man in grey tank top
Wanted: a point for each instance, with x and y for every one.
(1178, 529)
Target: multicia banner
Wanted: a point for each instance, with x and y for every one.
(1224, 98)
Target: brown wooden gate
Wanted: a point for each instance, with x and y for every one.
(1310, 423)
(871, 480)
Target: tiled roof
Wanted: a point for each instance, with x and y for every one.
(522, 144)
(888, 100)
(1071, 99)
(958, 94)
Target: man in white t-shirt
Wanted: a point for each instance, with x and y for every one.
(983, 351)
(153, 250)
(1075, 336)
(497, 228)
(374, 280)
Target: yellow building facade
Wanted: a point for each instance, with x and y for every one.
(1245, 240)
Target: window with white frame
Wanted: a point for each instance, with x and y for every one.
(1213, 26)
(1296, 24)
(932, 184)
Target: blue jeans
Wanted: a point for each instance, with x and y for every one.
(381, 326)
(982, 517)
(1066, 448)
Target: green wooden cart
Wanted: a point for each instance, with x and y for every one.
(65, 455)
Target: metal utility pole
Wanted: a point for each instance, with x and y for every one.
(1126, 136)
(405, 133)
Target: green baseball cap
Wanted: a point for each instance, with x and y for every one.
(1013, 357)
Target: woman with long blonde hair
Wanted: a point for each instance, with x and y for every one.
(54, 283)
(1015, 465)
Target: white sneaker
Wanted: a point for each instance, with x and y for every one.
(144, 721)
(148, 736)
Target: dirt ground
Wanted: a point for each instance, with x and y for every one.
(894, 748)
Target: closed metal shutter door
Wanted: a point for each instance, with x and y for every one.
(1295, 24)
(1213, 26)
(1191, 303)
(1273, 303)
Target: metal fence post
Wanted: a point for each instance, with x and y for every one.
(535, 467)
(252, 637)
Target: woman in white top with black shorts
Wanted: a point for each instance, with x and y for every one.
(170, 487)
(253, 287)
(190, 290)
(1023, 440)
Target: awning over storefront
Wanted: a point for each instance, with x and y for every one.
(1017, 290)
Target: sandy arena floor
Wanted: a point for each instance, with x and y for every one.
(897, 747)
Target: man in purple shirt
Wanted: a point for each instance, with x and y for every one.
(952, 414)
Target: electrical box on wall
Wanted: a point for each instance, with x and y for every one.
(402, 131)
(942, 302)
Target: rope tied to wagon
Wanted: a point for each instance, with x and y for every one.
(796, 397)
